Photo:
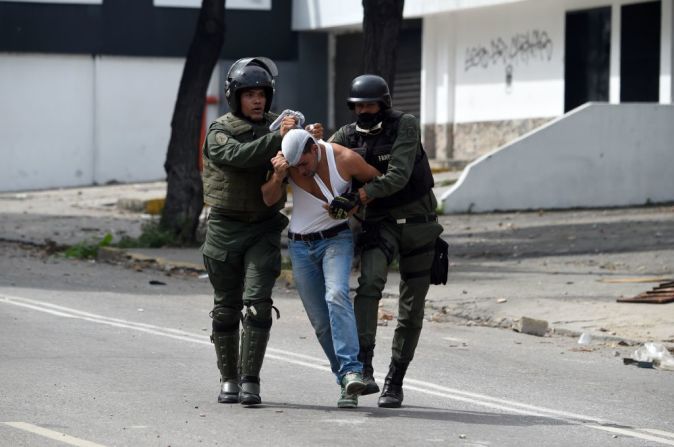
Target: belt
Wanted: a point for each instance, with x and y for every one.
(418, 219)
(325, 234)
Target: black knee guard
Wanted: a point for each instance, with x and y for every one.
(226, 319)
(259, 312)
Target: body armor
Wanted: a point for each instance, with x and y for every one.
(237, 189)
(376, 149)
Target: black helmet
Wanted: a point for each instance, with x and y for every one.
(250, 72)
(369, 88)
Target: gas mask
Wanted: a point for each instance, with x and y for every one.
(367, 121)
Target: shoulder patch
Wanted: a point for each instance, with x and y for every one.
(235, 126)
(221, 138)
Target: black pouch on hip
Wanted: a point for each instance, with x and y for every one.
(440, 265)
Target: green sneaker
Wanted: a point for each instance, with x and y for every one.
(347, 400)
(353, 383)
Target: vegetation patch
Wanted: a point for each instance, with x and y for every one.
(153, 235)
(87, 249)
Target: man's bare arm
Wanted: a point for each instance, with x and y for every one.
(356, 166)
(272, 190)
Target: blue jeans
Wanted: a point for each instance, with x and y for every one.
(321, 271)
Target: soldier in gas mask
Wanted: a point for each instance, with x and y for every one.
(399, 222)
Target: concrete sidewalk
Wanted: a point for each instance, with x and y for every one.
(565, 267)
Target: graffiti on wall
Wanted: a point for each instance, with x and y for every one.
(521, 48)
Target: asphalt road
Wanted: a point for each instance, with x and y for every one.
(94, 355)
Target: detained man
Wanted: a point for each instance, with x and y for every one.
(321, 244)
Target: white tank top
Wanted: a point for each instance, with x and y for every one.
(308, 214)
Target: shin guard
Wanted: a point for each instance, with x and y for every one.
(254, 338)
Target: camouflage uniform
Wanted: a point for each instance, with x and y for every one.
(242, 250)
(400, 223)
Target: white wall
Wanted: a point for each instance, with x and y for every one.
(438, 62)
(134, 104)
(418, 8)
(473, 52)
(310, 15)
(526, 39)
(599, 155)
(666, 51)
(321, 14)
(478, 76)
(261, 5)
(77, 120)
(46, 121)
(455, 32)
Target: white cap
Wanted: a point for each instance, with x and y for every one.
(293, 144)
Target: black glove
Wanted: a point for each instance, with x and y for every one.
(342, 205)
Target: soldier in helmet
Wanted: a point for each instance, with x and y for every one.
(399, 222)
(242, 247)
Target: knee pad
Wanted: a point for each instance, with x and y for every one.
(226, 319)
(258, 313)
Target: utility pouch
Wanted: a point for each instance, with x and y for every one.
(440, 266)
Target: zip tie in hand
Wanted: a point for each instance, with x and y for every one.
(287, 112)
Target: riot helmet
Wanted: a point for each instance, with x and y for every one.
(369, 88)
(247, 73)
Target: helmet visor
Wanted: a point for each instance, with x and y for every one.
(263, 62)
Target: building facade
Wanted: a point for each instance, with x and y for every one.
(88, 87)
(491, 71)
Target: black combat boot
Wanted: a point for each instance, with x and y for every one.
(253, 346)
(365, 356)
(227, 352)
(392, 394)
(250, 391)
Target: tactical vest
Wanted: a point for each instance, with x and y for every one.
(376, 149)
(238, 189)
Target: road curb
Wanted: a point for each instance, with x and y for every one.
(120, 256)
(149, 206)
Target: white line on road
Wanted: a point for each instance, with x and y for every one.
(51, 434)
(316, 363)
(658, 432)
(628, 432)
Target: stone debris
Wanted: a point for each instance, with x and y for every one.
(531, 326)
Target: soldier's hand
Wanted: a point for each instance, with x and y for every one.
(343, 206)
(362, 195)
(316, 130)
(289, 122)
(280, 165)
